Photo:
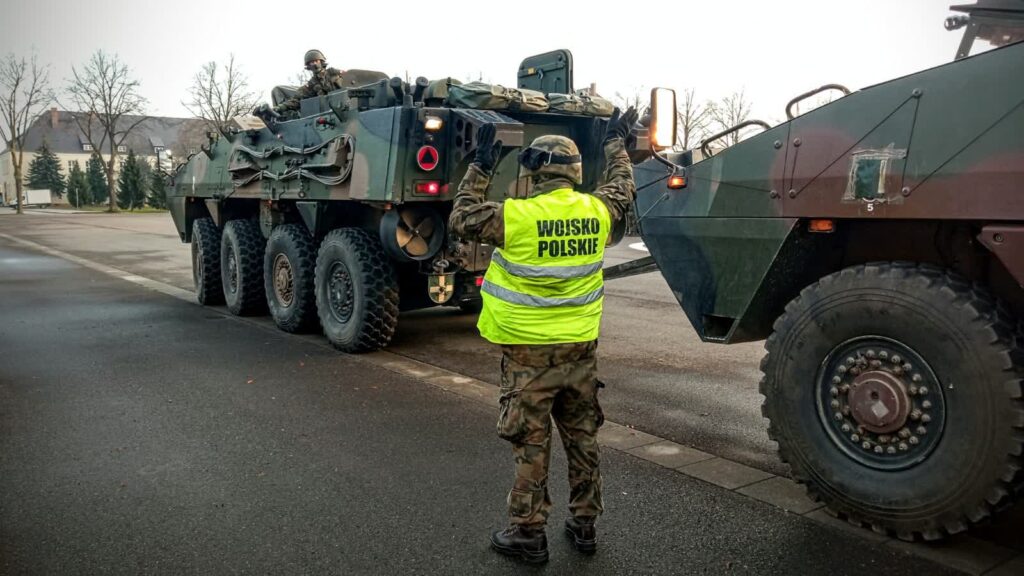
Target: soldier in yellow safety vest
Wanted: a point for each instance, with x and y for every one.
(542, 299)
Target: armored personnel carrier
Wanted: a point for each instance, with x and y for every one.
(337, 219)
(877, 243)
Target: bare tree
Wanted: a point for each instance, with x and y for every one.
(728, 112)
(219, 94)
(24, 93)
(635, 96)
(110, 108)
(694, 118)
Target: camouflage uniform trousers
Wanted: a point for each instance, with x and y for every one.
(541, 384)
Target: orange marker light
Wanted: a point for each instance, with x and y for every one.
(677, 182)
(825, 226)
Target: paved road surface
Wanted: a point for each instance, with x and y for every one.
(256, 472)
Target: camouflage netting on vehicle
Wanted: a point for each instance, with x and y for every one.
(484, 96)
(580, 103)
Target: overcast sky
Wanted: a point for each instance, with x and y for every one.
(771, 49)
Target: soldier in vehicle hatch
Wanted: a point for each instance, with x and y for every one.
(542, 302)
(323, 81)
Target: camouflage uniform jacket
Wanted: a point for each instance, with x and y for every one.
(323, 82)
(474, 218)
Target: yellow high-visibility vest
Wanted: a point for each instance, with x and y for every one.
(545, 286)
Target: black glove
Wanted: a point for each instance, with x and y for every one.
(486, 148)
(265, 112)
(620, 125)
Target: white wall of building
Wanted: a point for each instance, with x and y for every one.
(7, 188)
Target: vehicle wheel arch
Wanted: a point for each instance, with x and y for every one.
(806, 257)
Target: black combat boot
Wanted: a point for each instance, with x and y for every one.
(583, 533)
(529, 544)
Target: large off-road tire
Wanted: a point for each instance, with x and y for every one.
(894, 392)
(356, 291)
(288, 272)
(241, 267)
(206, 262)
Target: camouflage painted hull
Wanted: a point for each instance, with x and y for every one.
(943, 144)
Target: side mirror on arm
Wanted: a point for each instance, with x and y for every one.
(663, 129)
(663, 118)
(165, 162)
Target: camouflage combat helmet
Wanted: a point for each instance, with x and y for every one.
(555, 155)
(312, 55)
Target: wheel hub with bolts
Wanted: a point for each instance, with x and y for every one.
(340, 293)
(881, 403)
(284, 287)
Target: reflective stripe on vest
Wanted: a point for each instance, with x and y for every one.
(524, 271)
(545, 285)
(539, 301)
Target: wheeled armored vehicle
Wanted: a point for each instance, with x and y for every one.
(336, 219)
(877, 243)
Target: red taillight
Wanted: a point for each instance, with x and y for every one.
(479, 281)
(431, 188)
